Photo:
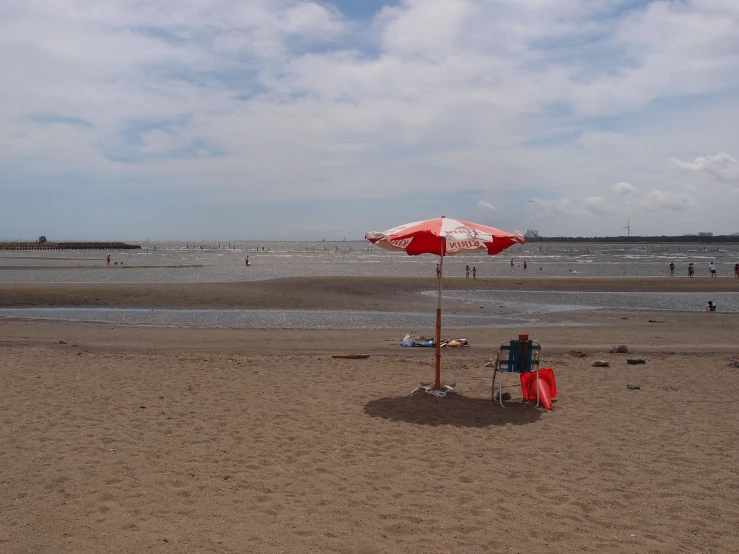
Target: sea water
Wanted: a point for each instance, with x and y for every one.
(181, 262)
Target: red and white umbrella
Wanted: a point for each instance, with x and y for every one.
(444, 236)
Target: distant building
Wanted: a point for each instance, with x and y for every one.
(705, 234)
(532, 233)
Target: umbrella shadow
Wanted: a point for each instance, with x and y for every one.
(457, 410)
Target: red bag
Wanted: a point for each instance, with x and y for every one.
(547, 386)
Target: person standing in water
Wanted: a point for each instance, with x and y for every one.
(467, 272)
(246, 261)
(672, 268)
(736, 271)
(691, 270)
(712, 269)
(474, 272)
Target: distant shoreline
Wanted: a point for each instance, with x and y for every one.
(79, 245)
(720, 239)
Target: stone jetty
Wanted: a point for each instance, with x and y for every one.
(68, 246)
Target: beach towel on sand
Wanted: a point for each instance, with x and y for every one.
(454, 343)
(415, 340)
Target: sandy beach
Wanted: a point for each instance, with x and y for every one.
(131, 439)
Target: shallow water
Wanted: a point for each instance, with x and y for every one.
(523, 307)
(174, 261)
(554, 301)
(263, 319)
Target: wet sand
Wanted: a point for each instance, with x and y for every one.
(589, 331)
(325, 293)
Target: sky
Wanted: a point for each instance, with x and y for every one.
(309, 120)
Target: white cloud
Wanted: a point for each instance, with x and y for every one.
(157, 141)
(624, 188)
(487, 206)
(496, 96)
(558, 207)
(720, 167)
(597, 205)
(671, 201)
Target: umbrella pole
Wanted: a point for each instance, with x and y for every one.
(437, 381)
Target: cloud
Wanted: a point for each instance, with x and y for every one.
(624, 188)
(486, 206)
(719, 167)
(670, 201)
(598, 206)
(558, 207)
(275, 100)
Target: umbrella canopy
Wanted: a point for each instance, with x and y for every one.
(443, 236)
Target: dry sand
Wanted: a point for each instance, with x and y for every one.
(132, 439)
(167, 452)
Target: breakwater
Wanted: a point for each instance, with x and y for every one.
(68, 246)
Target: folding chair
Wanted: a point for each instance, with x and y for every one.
(516, 356)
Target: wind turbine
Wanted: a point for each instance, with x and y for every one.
(627, 228)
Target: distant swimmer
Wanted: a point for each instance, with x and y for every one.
(247, 261)
(711, 306)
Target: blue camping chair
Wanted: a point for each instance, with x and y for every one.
(516, 356)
